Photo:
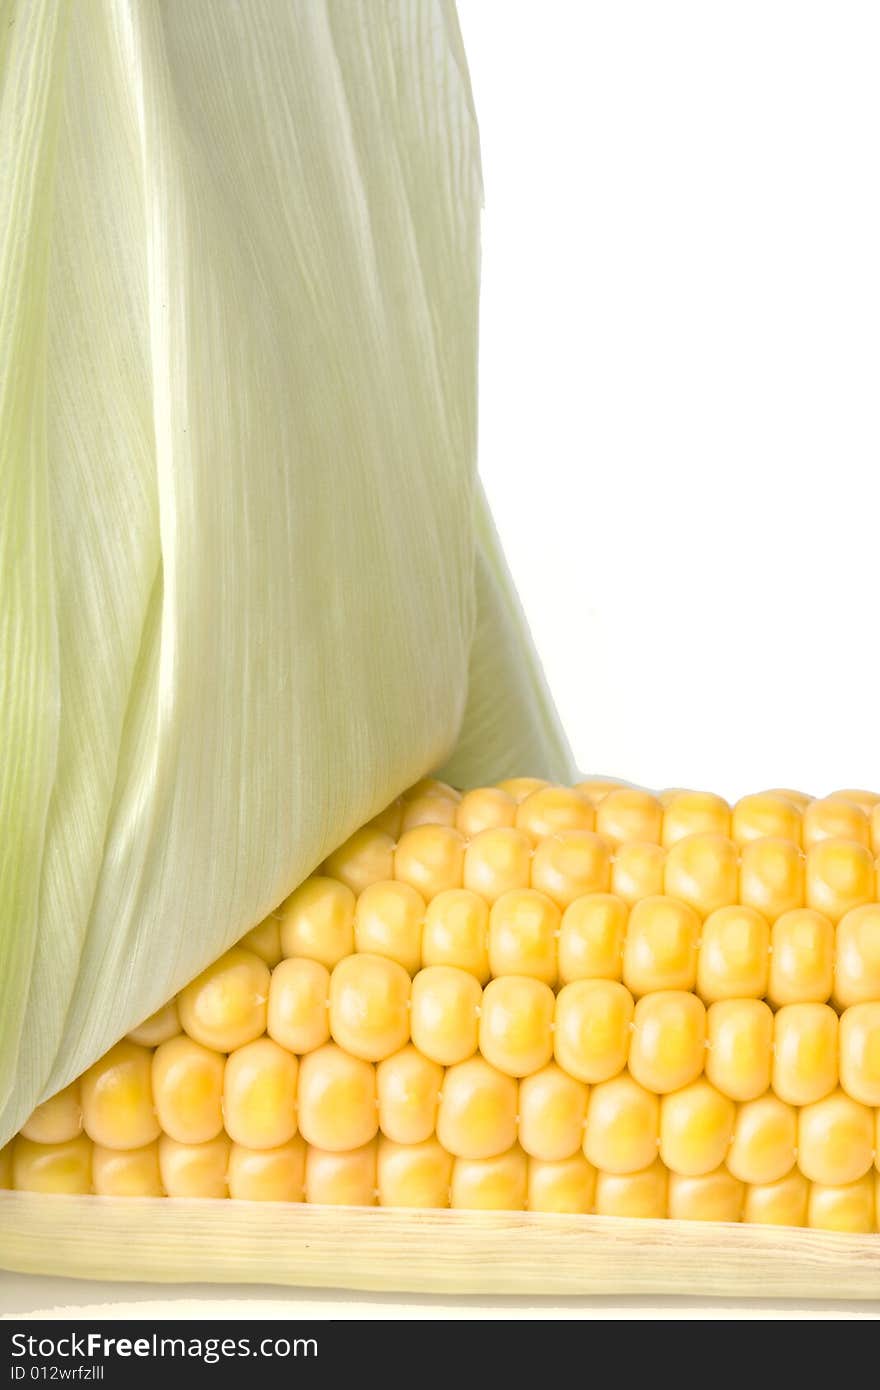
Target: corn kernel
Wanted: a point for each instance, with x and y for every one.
(669, 1040)
(194, 1170)
(693, 813)
(866, 801)
(840, 876)
(367, 857)
(874, 820)
(835, 1140)
(696, 1127)
(369, 1006)
(388, 922)
(265, 940)
(391, 819)
(633, 1194)
(848, 1208)
(622, 1131)
(413, 1175)
(780, 1203)
(158, 1028)
(478, 1109)
(552, 1110)
(802, 963)
(225, 1006)
(703, 871)
(764, 1144)
(766, 814)
(591, 938)
(63, 1167)
(431, 786)
(595, 789)
(6, 1166)
(317, 921)
(188, 1090)
(593, 1026)
(734, 958)
(771, 877)
(638, 871)
(549, 810)
(799, 799)
(259, 1095)
(740, 1052)
(717, 1196)
(561, 1185)
(269, 1175)
(805, 1052)
(516, 1024)
(629, 814)
(485, 808)
(57, 1119)
(857, 957)
(518, 788)
(342, 1179)
(660, 950)
(456, 932)
(337, 1099)
(444, 1017)
(571, 863)
(431, 859)
(831, 818)
(117, 1099)
(523, 927)
(496, 862)
(499, 1183)
(127, 1172)
(299, 1013)
(428, 810)
(408, 1088)
(860, 1053)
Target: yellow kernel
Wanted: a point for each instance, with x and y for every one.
(696, 1127)
(734, 956)
(366, 857)
(740, 1052)
(570, 863)
(840, 876)
(63, 1167)
(595, 789)
(499, 1183)
(523, 927)
(591, 938)
(341, 1179)
(860, 1053)
(127, 1172)
(832, 818)
(805, 1052)
(194, 1170)
(431, 786)
(445, 1014)
(317, 921)
(848, 1209)
(337, 1099)
(259, 1095)
(484, 808)
(703, 871)
(430, 809)
(623, 1126)
(551, 809)
(638, 871)
(552, 1110)
(369, 1006)
(660, 950)
(866, 801)
(633, 1194)
(771, 877)
(431, 859)
(766, 814)
(408, 1087)
(764, 1144)
(57, 1119)
(6, 1166)
(802, 963)
(225, 1006)
(717, 1196)
(693, 813)
(518, 788)
(265, 940)
(413, 1175)
(188, 1090)
(268, 1175)
(456, 932)
(630, 814)
(857, 957)
(117, 1098)
(593, 1025)
(669, 1040)
(835, 1140)
(561, 1185)
(391, 819)
(779, 1203)
(158, 1028)
(299, 992)
(516, 1024)
(478, 1109)
(388, 922)
(799, 799)
(496, 862)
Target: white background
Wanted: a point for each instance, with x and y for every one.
(680, 375)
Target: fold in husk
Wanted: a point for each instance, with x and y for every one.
(249, 587)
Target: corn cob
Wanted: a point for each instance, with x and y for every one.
(586, 999)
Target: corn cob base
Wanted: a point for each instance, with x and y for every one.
(572, 1003)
